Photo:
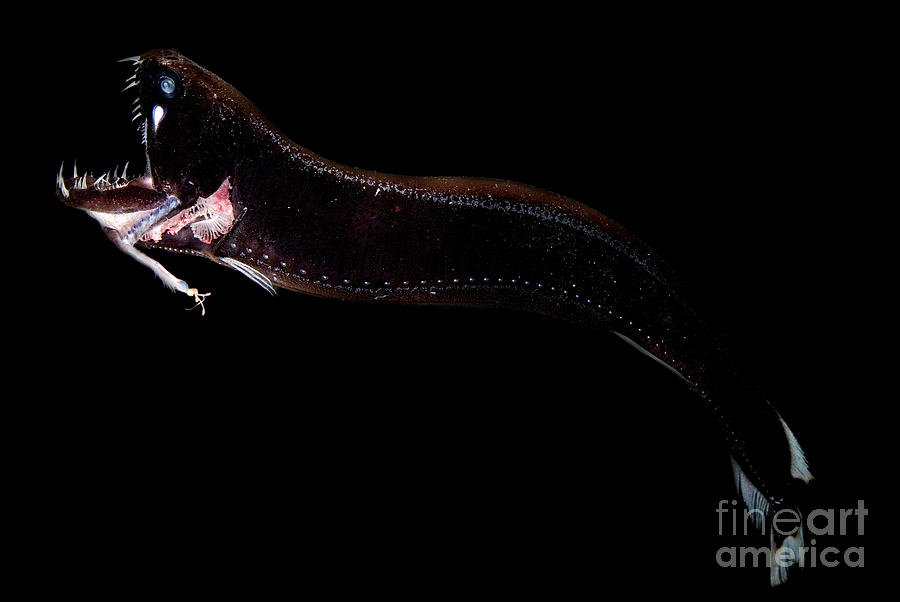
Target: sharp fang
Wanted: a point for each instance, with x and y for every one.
(134, 59)
(74, 170)
(131, 85)
(60, 182)
(124, 171)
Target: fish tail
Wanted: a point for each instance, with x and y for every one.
(784, 522)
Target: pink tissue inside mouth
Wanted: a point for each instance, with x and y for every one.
(210, 217)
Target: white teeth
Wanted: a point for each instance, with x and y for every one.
(110, 180)
(137, 109)
(60, 183)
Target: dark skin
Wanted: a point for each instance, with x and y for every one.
(303, 223)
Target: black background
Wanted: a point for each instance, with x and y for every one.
(293, 442)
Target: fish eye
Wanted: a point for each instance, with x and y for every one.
(167, 86)
(167, 83)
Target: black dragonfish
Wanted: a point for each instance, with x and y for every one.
(223, 183)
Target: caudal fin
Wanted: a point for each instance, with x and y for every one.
(786, 548)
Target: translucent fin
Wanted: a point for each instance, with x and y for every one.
(791, 549)
(799, 467)
(251, 273)
(757, 504)
(651, 356)
(787, 555)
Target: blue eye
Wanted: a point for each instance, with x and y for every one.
(167, 83)
(167, 87)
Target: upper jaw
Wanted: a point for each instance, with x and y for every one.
(139, 115)
(118, 201)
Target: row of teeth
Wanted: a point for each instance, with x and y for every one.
(114, 180)
(110, 180)
(137, 110)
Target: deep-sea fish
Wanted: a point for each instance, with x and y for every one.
(222, 182)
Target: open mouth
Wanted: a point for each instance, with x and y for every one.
(127, 206)
(138, 209)
(133, 210)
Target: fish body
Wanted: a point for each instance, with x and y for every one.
(223, 183)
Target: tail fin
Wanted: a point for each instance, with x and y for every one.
(786, 553)
(786, 550)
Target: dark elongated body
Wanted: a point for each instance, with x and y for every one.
(334, 231)
(226, 185)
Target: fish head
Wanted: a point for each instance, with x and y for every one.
(194, 124)
(193, 127)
